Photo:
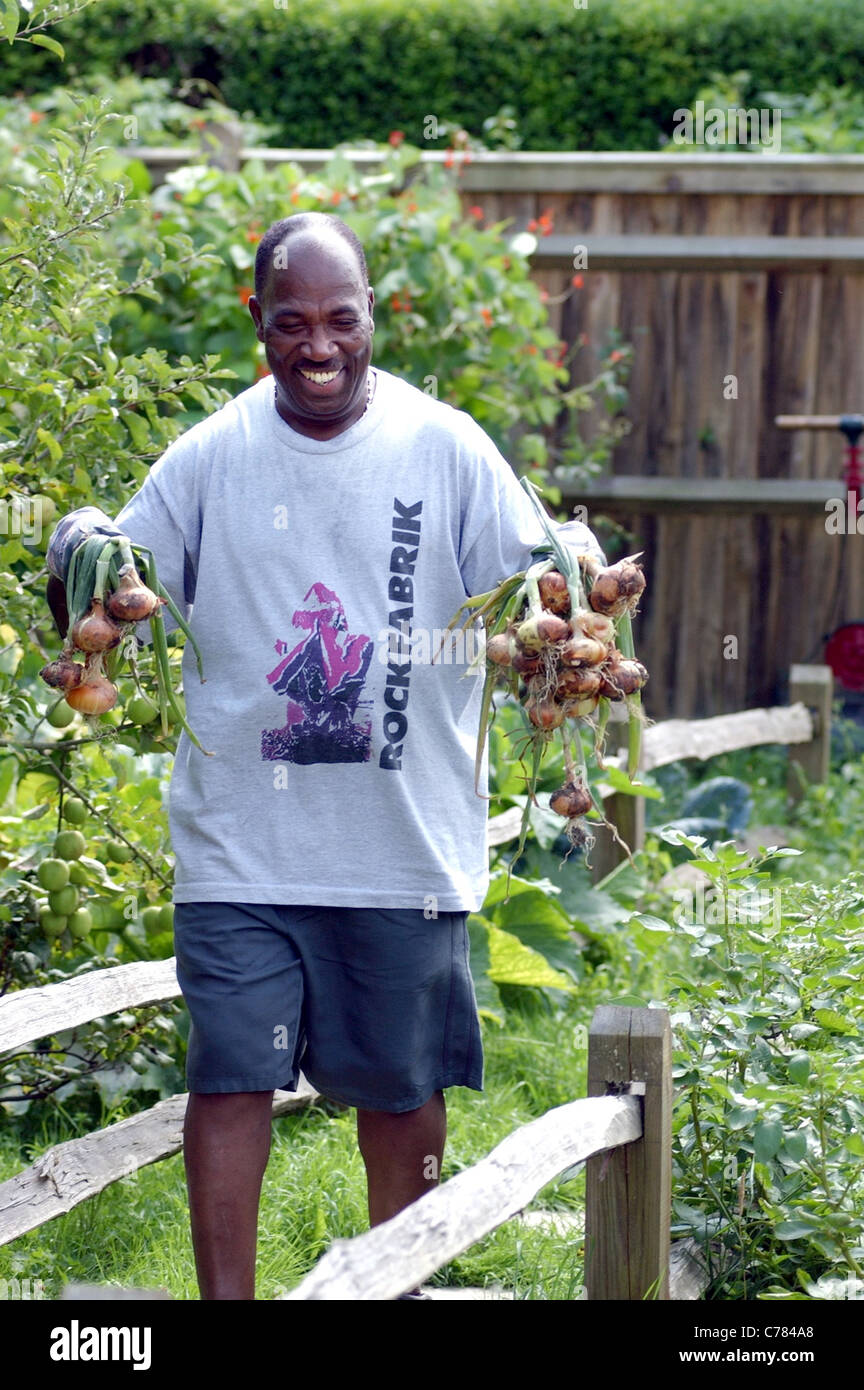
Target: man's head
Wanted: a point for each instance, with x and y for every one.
(312, 310)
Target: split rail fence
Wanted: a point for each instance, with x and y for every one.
(622, 1130)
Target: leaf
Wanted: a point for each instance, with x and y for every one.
(799, 1067)
(615, 779)
(8, 19)
(767, 1138)
(45, 41)
(833, 1021)
(650, 923)
(797, 1229)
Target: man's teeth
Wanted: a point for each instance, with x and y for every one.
(320, 377)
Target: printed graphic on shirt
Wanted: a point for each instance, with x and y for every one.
(405, 533)
(323, 677)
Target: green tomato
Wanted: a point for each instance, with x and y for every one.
(53, 874)
(117, 852)
(78, 873)
(74, 811)
(141, 710)
(70, 844)
(61, 716)
(152, 918)
(65, 900)
(80, 923)
(166, 914)
(52, 925)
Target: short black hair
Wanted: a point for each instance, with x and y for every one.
(323, 223)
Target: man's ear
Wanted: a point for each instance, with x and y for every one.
(371, 307)
(257, 313)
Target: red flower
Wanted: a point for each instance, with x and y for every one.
(411, 207)
(531, 349)
(178, 197)
(295, 196)
(615, 356)
(396, 137)
(157, 217)
(197, 124)
(476, 212)
(544, 295)
(486, 316)
(36, 117)
(395, 303)
(545, 223)
(335, 196)
(253, 237)
(244, 293)
(577, 282)
(448, 159)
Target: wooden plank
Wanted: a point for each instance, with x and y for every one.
(705, 738)
(813, 686)
(711, 253)
(629, 1192)
(687, 493)
(35, 1013)
(79, 1168)
(561, 172)
(397, 1255)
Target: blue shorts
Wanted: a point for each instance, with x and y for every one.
(376, 1004)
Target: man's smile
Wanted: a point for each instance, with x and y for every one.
(321, 378)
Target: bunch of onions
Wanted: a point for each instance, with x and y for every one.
(107, 596)
(559, 634)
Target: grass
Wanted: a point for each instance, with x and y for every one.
(136, 1232)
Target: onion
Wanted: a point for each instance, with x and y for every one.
(95, 695)
(95, 632)
(570, 800)
(622, 678)
(554, 594)
(595, 625)
(551, 628)
(578, 680)
(617, 588)
(583, 651)
(498, 650)
(62, 674)
(545, 714)
(526, 663)
(132, 601)
(528, 635)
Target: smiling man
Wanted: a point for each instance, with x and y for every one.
(329, 853)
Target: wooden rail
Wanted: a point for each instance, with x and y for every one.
(627, 1119)
(804, 725)
(559, 172)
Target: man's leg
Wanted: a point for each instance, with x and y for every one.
(226, 1144)
(402, 1153)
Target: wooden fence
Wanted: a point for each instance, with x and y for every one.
(738, 280)
(626, 1119)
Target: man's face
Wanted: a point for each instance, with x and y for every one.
(315, 321)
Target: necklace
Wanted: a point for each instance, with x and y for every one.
(370, 392)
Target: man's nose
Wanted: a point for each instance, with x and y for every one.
(319, 344)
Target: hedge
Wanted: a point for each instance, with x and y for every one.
(608, 76)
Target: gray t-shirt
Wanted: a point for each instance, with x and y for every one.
(322, 575)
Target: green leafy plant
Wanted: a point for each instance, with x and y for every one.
(765, 989)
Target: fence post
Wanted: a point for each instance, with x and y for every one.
(629, 1189)
(813, 686)
(626, 813)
